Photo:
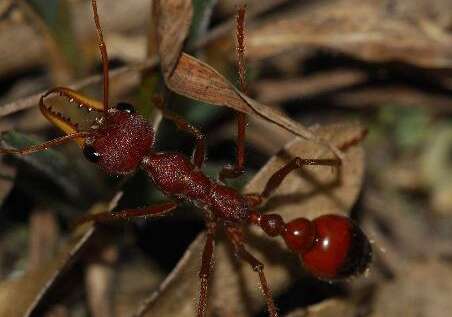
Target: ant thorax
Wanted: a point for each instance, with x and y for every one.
(119, 141)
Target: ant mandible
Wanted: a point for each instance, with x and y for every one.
(330, 247)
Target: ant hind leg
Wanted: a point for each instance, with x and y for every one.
(278, 177)
(236, 237)
(206, 268)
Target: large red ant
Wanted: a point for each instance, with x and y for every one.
(330, 246)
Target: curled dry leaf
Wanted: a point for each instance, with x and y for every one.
(234, 290)
(197, 80)
(190, 77)
(173, 20)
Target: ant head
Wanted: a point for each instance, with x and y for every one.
(119, 140)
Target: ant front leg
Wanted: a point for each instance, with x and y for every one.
(277, 178)
(235, 235)
(200, 147)
(206, 267)
(152, 211)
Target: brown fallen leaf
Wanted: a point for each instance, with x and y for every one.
(197, 80)
(173, 20)
(423, 288)
(278, 90)
(327, 308)
(190, 77)
(316, 190)
(370, 30)
(27, 291)
(233, 288)
(43, 239)
(100, 281)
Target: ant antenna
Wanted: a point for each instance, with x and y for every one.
(103, 52)
(241, 117)
(239, 166)
(240, 49)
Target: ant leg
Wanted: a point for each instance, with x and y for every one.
(46, 145)
(238, 168)
(206, 268)
(181, 123)
(153, 211)
(236, 237)
(276, 179)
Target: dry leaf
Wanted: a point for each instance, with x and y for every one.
(371, 30)
(188, 76)
(277, 90)
(173, 20)
(327, 308)
(422, 289)
(197, 80)
(234, 282)
(316, 190)
(27, 291)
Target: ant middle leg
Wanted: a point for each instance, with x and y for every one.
(152, 211)
(200, 147)
(206, 268)
(277, 178)
(236, 237)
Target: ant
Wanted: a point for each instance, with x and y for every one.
(121, 141)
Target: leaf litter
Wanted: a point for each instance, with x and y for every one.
(190, 77)
(323, 186)
(29, 290)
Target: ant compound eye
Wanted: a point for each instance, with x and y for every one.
(125, 107)
(91, 154)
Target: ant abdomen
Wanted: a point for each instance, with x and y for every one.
(330, 247)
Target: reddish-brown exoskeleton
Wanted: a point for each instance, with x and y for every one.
(330, 247)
